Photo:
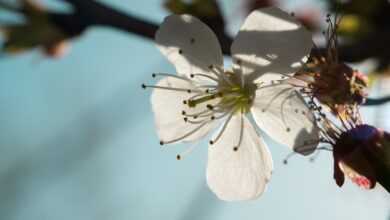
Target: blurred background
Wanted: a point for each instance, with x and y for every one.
(78, 141)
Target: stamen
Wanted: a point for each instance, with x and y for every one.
(194, 102)
(275, 97)
(197, 122)
(285, 161)
(205, 76)
(220, 74)
(241, 133)
(288, 129)
(167, 88)
(187, 151)
(223, 129)
(222, 115)
(154, 75)
(198, 113)
(185, 135)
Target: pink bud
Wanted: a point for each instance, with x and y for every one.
(362, 154)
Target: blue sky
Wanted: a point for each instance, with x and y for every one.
(78, 142)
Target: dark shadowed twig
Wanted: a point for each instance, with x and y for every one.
(89, 13)
(377, 101)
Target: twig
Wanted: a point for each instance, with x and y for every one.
(377, 101)
(89, 13)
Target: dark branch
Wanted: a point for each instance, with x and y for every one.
(377, 101)
(90, 12)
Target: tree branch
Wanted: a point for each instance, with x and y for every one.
(377, 101)
(90, 12)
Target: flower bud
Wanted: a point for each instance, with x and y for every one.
(38, 31)
(363, 154)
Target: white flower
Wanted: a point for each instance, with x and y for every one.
(202, 96)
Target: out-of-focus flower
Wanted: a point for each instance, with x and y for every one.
(352, 25)
(203, 95)
(360, 18)
(37, 31)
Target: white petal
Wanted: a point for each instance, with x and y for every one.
(283, 114)
(271, 41)
(189, 44)
(242, 174)
(168, 105)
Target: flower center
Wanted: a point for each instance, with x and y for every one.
(232, 93)
(221, 96)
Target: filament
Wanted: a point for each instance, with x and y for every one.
(185, 135)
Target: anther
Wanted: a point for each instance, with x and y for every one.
(292, 14)
(211, 142)
(189, 91)
(185, 119)
(143, 86)
(192, 75)
(185, 102)
(178, 157)
(180, 51)
(161, 143)
(212, 117)
(153, 75)
(235, 148)
(288, 129)
(211, 67)
(183, 112)
(210, 107)
(285, 162)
